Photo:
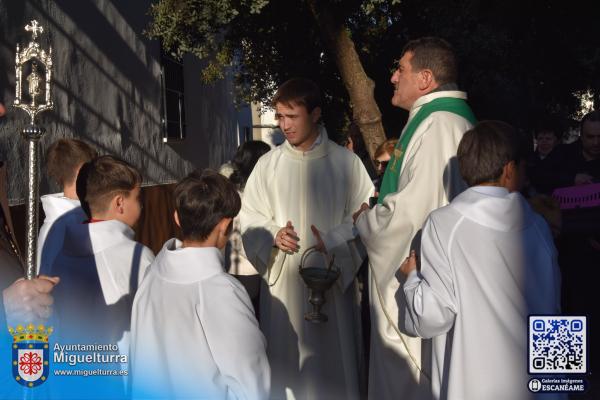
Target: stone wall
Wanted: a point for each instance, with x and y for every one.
(107, 92)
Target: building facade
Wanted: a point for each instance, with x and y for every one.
(115, 89)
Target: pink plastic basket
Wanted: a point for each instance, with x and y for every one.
(583, 196)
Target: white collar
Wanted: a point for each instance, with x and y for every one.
(188, 265)
(56, 204)
(318, 149)
(457, 94)
(495, 208)
(317, 141)
(496, 191)
(83, 239)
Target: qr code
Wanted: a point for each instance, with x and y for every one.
(557, 344)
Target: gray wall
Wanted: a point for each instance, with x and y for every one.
(107, 92)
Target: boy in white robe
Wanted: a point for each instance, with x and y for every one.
(100, 264)
(487, 262)
(194, 334)
(100, 267)
(64, 158)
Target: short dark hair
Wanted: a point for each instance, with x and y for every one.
(593, 116)
(245, 159)
(202, 199)
(300, 91)
(65, 156)
(103, 178)
(549, 124)
(436, 55)
(486, 148)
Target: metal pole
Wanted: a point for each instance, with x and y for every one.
(32, 133)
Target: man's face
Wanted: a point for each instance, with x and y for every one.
(546, 141)
(297, 124)
(406, 83)
(590, 139)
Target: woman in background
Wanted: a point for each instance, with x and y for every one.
(236, 262)
(382, 156)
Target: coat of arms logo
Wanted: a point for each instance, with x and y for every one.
(30, 354)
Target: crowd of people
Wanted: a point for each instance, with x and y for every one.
(219, 313)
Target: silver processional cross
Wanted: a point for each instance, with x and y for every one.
(38, 83)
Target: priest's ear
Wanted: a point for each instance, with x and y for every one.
(426, 80)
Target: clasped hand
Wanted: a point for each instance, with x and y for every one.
(287, 239)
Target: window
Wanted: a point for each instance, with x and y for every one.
(173, 100)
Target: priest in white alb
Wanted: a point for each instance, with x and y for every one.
(421, 176)
(299, 195)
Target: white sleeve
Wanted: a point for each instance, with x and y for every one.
(256, 219)
(343, 237)
(430, 299)
(235, 340)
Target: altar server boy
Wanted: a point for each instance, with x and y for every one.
(100, 264)
(64, 158)
(194, 334)
(487, 262)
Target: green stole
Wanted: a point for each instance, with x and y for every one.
(392, 172)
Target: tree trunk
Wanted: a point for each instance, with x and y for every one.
(360, 87)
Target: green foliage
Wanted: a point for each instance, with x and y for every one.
(520, 59)
(369, 7)
(270, 42)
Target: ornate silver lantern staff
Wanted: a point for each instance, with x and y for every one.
(37, 85)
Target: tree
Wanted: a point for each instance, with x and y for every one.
(272, 41)
(516, 66)
(521, 60)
